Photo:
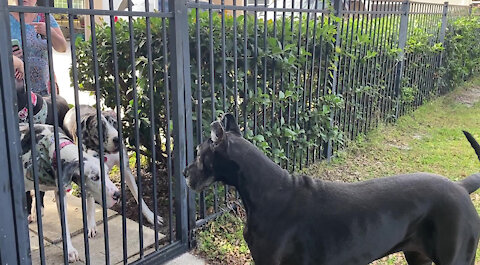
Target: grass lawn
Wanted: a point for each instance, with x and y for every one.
(429, 139)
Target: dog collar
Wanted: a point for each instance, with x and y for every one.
(54, 156)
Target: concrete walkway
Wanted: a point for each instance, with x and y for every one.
(186, 259)
(53, 240)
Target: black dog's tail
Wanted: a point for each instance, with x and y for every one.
(473, 143)
(472, 182)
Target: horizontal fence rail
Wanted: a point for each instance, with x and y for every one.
(303, 78)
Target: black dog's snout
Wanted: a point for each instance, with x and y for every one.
(116, 195)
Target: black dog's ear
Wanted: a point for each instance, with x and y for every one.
(230, 124)
(217, 132)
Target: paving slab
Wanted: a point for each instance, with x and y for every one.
(115, 236)
(52, 230)
(137, 256)
(53, 256)
(186, 259)
(34, 242)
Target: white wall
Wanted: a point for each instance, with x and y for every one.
(450, 2)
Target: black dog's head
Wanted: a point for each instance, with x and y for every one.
(213, 162)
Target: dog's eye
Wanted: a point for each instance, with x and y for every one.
(95, 177)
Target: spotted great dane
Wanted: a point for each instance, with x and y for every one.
(70, 168)
(111, 144)
(42, 108)
(300, 220)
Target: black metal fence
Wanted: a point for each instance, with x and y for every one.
(302, 78)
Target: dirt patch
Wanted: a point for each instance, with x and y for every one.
(131, 206)
(468, 96)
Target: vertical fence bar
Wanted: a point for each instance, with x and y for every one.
(79, 134)
(35, 165)
(180, 65)
(383, 57)
(402, 40)
(264, 77)
(168, 129)
(153, 134)
(370, 72)
(289, 104)
(245, 68)
(390, 62)
(274, 83)
(337, 113)
(136, 128)
(355, 65)
(441, 36)
(190, 200)
(61, 193)
(202, 207)
(282, 75)
(312, 73)
(297, 85)
(338, 5)
(255, 62)
(224, 69)
(324, 144)
(375, 79)
(347, 71)
(15, 242)
(212, 91)
(361, 75)
(344, 85)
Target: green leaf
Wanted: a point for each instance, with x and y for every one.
(258, 138)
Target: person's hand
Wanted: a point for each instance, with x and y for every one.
(18, 66)
(40, 28)
(19, 74)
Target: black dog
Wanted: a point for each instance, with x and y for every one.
(300, 220)
(42, 114)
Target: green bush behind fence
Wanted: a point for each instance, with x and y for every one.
(284, 99)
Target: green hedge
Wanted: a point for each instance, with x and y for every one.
(288, 110)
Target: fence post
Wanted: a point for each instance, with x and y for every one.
(443, 28)
(338, 6)
(14, 239)
(402, 40)
(180, 88)
(441, 36)
(470, 9)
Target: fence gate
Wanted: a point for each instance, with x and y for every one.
(129, 58)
